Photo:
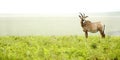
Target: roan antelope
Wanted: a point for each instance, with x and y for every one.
(92, 27)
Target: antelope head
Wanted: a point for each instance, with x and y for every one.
(82, 17)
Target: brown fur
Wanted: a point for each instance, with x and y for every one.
(92, 27)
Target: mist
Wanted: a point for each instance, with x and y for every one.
(55, 25)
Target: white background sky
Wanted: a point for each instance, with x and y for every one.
(57, 6)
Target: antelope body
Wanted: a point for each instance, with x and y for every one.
(92, 27)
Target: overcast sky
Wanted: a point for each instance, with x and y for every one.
(57, 6)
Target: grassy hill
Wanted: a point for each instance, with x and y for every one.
(59, 48)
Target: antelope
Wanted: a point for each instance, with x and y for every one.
(92, 27)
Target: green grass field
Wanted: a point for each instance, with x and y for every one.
(59, 48)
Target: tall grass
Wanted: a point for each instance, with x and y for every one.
(59, 48)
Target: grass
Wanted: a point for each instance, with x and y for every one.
(59, 48)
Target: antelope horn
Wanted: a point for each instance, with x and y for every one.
(84, 14)
(81, 14)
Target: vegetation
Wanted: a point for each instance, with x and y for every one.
(59, 48)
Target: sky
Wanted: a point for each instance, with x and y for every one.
(57, 7)
(54, 25)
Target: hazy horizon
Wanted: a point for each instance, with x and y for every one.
(54, 25)
(109, 13)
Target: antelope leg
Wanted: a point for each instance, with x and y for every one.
(102, 34)
(86, 34)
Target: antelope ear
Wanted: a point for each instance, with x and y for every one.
(79, 16)
(86, 16)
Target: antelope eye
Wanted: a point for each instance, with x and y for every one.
(83, 21)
